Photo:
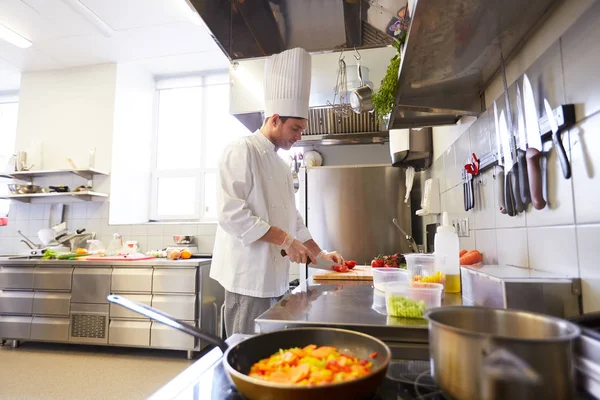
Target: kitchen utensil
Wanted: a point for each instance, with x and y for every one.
(14, 188)
(22, 161)
(340, 109)
(409, 238)
(59, 189)
(23, 189)
(501, 354)
(557, 140)
(534, 143)
(521, 160)
(361, 98)
(321, 262)
(238, 360)
(46, 236)
(499, 174)
(27, 241)
(509, 202)
(358, 273)
(183, 239)
(513, 167)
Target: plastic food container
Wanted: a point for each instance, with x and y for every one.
(383, 276)
(379, 302)
(412, 299)
(421, 267)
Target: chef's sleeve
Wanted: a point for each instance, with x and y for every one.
(302, 232)
(234, 186)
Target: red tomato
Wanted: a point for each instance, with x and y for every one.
(340, 268)
(373, 355)
(377, 263)
(350, 264)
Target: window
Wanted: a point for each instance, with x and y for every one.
(8, 134)
(193, 127)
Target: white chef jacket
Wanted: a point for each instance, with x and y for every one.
(254, 192)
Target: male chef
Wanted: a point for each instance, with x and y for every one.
(256, 204)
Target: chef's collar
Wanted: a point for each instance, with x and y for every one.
(264, 141)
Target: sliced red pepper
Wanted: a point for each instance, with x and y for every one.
(340, 268)
(373, 354)
(350, 264)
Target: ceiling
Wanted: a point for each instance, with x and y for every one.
(158, 35)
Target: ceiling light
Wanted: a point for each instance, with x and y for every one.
(91, 16)
(13, 37)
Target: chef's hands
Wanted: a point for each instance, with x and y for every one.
(297, 251)
(333, 256)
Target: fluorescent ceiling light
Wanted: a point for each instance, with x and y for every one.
(91, 16)
(13, 37)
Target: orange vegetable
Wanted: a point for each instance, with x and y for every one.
(299, 372)
(322, 351)
(462, 252)
(472, 257)
(186, 254)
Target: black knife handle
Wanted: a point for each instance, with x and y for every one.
(523, 178)
(500, 188)
(519, 206)
(509, 204)
(284, 254)
(562, 154)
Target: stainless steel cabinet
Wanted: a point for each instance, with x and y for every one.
(52, 329)
(128, 280)
(45, 303)
(167, 337)
(181, 306)
(174, 280)
(58, 278)
(117, 311)
(89, 323)
(130, 333)
(15, 302)
(15, 327)
(16, 278)
(91, 285)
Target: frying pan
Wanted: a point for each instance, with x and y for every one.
(238, 360)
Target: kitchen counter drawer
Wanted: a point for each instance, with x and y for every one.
(167, 337)
(182, 306)
(14, 302)
(91, 285)
(52, 278)
(127, 280)
(45, 303)
(174, 280)
(129, 333)
(117, 311)
(13, 327)
(16, 277)
(50, 329)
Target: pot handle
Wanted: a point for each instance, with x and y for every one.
(502, 365)
(359, 72)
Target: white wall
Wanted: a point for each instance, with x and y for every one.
(69, 111)
(132, 140)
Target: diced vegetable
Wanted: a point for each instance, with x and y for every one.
(462, 252)
(400, 306)
(472, 257)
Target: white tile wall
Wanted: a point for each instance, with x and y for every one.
(512, 247)
(553, 249)
(486, 243)
(484, 213)
(585, 164)
(589, 266)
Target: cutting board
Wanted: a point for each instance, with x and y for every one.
(120, 258)
(358, 273)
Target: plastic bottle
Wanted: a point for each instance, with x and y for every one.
(115, 246)
(446, 255)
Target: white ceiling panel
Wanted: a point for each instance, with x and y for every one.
(129, 14)
(42, 20)
(129, 45)
(185, 63)
(28, 59)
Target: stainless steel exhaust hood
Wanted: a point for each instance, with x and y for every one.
(451, 54)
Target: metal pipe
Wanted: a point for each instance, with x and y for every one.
(409, 238)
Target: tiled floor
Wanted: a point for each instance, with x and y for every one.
(41, 371)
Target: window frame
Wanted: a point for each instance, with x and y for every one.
(10, 98)
(213, 78)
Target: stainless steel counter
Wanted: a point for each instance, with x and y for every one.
(354, 305)
(158, 262)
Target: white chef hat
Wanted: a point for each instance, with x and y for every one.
(287, 83)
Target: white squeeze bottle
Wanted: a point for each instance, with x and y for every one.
(446, 255)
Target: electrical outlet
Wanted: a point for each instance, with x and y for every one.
(462, 227)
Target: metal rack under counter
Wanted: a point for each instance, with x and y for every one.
(65, 302)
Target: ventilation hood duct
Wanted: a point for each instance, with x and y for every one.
(451, 54)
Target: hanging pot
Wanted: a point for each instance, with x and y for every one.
(361, 98)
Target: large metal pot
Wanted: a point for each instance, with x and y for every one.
(482, 353)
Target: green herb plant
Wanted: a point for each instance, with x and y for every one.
(383, 99)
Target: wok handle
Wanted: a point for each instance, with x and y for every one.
(164, 318)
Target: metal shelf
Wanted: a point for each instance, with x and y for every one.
(25, 175)
(84, 195)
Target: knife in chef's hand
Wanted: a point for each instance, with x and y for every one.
(509, 175)
(321, 262)
(534, 147)
(499, 170)
(557, 140)
(521, 159)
